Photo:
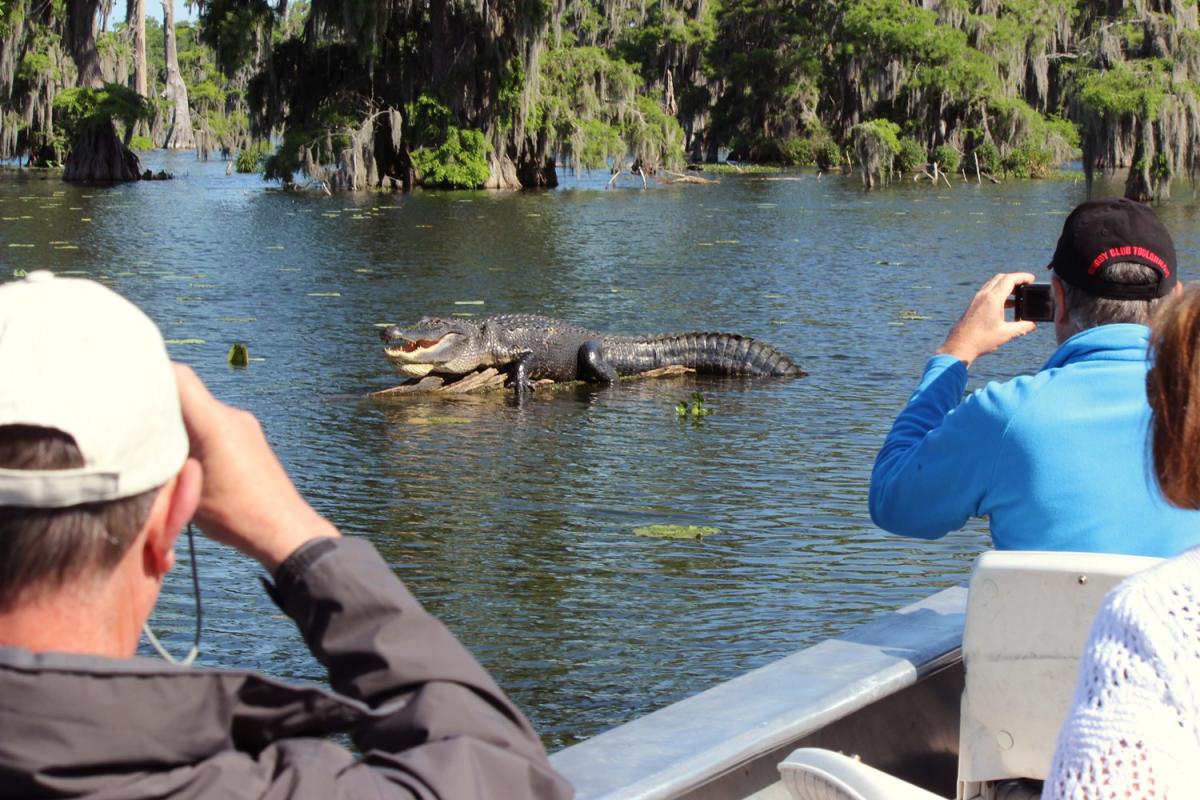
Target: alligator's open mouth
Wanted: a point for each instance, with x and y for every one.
(418, 344)
(400, 347)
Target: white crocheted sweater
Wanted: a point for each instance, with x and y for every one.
(1134, 728)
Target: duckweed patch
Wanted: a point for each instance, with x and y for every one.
(676, 531)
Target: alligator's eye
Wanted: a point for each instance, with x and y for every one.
(419, 344)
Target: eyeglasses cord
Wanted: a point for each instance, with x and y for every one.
(195, 651)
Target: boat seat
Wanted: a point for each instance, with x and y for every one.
(1028, 618)
(813, 773)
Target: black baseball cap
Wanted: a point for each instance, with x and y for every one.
(1099, 233)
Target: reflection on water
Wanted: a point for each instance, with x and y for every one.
(514, 523)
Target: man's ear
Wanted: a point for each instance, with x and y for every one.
(1061, 315)
(1177, 289)
(180, 496)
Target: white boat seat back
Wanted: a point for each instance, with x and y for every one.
(1028, 618)
(812, 773)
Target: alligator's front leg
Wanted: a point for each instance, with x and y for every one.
(592, 365)
(519, 372)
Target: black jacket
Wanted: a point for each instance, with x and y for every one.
(426, 718)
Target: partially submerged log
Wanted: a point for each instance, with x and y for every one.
(491, 379)
(678, 177)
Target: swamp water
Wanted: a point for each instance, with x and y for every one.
(515, 525)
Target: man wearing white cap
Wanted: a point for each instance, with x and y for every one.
(106, 452)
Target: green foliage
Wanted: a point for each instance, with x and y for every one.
(942, 60)
(82, 106)
(141, 143)
(1136, 88)
(460, 162)
(798, 151)
(876, 143)
(883, 134)
(988, 156)
(250, 159)
(947, 158)
(695, 409)
(591, 111)
(600, 142)
(910, 157)
(829, 155)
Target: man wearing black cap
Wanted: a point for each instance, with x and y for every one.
(1056, 460)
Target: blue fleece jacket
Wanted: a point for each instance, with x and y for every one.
(1058, 460)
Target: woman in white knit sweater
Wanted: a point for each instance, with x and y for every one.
(1134, 728)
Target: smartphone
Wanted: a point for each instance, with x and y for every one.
(1034, 302)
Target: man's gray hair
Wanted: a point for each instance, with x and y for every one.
(1088, 311)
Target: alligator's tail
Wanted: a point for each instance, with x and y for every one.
(707, 353)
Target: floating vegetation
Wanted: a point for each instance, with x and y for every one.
(695, 409)
(908, 315)
(676, 531)
(239, 355)
(183, 341)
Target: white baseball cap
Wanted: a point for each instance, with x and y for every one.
(77, 357)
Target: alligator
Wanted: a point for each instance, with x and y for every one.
(532, 347)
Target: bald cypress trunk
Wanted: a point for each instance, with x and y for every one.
(179, 124)
(98, 155)
(137, 23)
(80, 39)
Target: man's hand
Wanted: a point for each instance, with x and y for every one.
(982, 327)
(247, 500)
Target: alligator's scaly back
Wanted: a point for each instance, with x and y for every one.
(707, 353)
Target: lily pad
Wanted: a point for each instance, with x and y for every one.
(909, 315)
(676, 531)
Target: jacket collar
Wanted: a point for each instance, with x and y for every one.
(1118, 342)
